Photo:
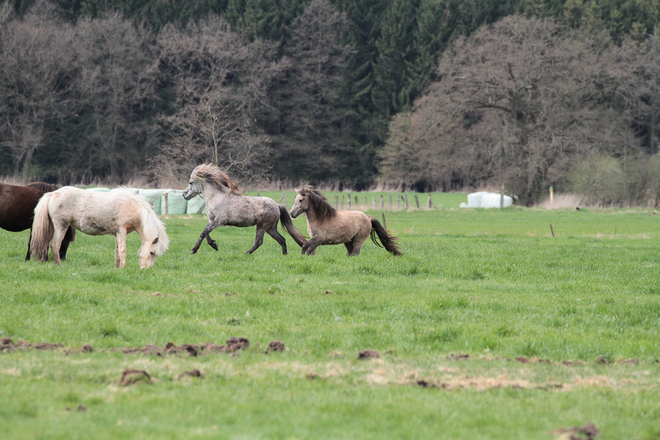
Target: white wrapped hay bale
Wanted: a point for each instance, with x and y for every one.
(153, 196)
(474, 199)
(493, 200)
(173, 203)
(99, 189)
(196, 205)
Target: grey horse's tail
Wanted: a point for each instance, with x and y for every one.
(42, 229)
(285, 218)
(388, 240)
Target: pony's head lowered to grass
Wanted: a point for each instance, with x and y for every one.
(154, 238)
(210, 174)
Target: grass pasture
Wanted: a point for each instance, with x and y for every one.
(488, 327)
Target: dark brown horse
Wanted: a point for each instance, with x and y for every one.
(17, 205)
(326, 225)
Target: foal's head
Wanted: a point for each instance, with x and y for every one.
(310, 199)
(211, 174)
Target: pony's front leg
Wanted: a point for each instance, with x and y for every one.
(205, 234)
(120, 249)
(309, 248)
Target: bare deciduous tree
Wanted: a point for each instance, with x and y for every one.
(516, 104)
(35, 77)
(219, 82)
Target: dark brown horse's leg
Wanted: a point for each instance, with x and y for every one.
(258, 239)
(68, 238)
(27, 257)
(272, 231)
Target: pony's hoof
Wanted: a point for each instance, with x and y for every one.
(214, 246)
(193, 251)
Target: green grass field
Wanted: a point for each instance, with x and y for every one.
(488, 327)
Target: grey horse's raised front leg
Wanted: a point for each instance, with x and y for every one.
(205, 234)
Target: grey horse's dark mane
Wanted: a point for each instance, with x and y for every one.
(212, 174)
(318, 203)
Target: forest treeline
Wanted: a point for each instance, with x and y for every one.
(429, 94)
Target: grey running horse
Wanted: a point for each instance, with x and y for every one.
(225, 206)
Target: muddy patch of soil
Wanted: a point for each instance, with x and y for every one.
(7, 345)
(586, 432)
(275, 346)
(368, 354)
(134, 377)
(192, 373)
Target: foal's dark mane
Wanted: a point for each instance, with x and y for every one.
(212, 174)
(321, 209)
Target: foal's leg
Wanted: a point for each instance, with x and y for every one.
(258, 239)
(273, 232)
(120, 248)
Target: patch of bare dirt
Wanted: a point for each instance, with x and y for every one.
(79, 409)
(460, 356)
(586, 432)
(7, 345)
(368, 354)
(134, 377)
(85, 349)
(192, 373)
(276, 346)
(232, 345)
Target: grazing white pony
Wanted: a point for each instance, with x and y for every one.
(117, 212)
(225, 206)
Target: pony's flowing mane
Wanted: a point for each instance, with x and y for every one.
(212, 174)
(318, 203)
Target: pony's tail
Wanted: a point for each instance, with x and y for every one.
(388, 240)
(285, 218)
(42, 229)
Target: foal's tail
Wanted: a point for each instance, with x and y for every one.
(42, 229)
(288, 224)
(388, 240)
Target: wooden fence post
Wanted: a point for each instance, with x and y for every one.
(165, 211)
(398, 201)
(284, 198)
(390, 201)
(416, 201)
(429, 203)
(405, 200)
(384, 222)
(365, 200)
(373, 202)
(336, 202)
(342, 201)
(349, 200)
(356, 200)
(382, 202)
